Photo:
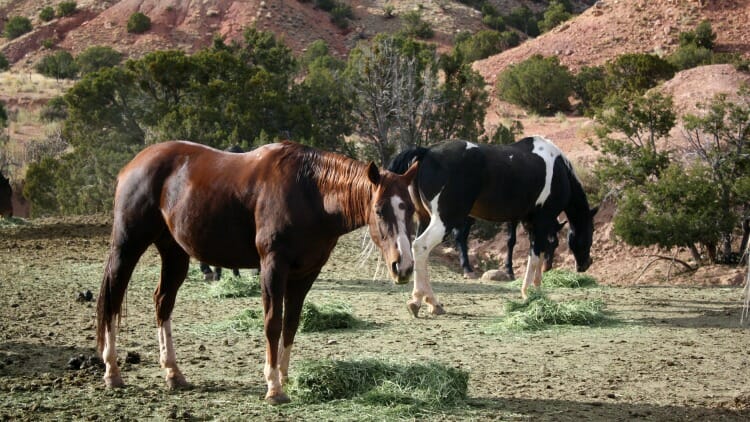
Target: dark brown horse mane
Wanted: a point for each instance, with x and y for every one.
(344, 178)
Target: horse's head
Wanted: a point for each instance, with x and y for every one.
(580, 238)
(6, 194)
(391, 219)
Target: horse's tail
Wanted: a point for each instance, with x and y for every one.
(404, 159)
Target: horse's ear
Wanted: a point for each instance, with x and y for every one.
(373, 173)
(411, 172)
(594, 211)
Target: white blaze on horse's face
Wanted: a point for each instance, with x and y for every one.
(549, 152)
(391, 222)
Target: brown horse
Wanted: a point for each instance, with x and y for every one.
(280, 208)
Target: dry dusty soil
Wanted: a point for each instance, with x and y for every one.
(668, 353)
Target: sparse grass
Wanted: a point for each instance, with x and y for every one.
(539, 312)
(332, 316)
(14, 83)
(378, 382)
(561, 279)
(230, 286)
(249, 320)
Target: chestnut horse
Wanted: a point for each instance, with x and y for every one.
(280, 208)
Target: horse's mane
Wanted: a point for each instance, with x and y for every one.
(404, 159)
(344, 179)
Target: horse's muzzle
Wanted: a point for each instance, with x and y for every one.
(584, 266)
(401, 275)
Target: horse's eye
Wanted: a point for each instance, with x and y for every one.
(402, 206)
(379, 212)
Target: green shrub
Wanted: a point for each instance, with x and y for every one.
(48, 43)
(494, 22)
(58, 65)
(138, 23)
(689, 56)
(17, 26)
(47, 14)
(414, 26)
(703, 36)
(341, 14)
(485, 43)
(590, 88)
(4, 64)
(326, 5)
(55, 109)
(66, 8)
(540, 84)
(554, 15)
(97, 57)
(379, 382)
(636, 72)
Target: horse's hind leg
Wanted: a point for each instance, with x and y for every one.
(462, 239)
(511, 227)
(174, 268)
(123, 256)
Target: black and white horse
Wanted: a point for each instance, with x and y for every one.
(529, 181)
(401, 162)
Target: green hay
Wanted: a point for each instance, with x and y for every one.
(378, 382)
(248, 320)
(333, 316)
(231, 286)
(539, 312)
(12, 222)
(562, 279)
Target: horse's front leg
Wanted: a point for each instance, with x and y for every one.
(531, 269)
(273, 280)
(421, 249)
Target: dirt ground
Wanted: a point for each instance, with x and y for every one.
(668, 353)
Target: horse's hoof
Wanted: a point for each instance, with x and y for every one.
(114, 382)
(413, 308)
(277, 399)
(178, 383)
(471, 275)
(438, 310)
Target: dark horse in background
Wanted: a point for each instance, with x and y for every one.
(401, 162)
(280, 208)
(215, 274)
(529, 181)
(6, 197)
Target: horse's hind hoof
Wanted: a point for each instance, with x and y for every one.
(178, 383)
(277, 399)
(413, 308)
(114, 382)
(438, 310)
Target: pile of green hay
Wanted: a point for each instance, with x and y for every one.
(538, 312)
(248, 320)
(233, 286)
(563, 279)
(378, 382)
(332, 316)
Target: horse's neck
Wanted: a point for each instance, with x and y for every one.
(347, 192)
(577, 210)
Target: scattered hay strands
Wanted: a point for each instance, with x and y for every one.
(562, 279)
(539, 312)
(378, 382)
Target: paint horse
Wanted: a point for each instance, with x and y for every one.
(6, 197)
(281, 207)
(529, 181)
(215, 274)
(401, 162)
